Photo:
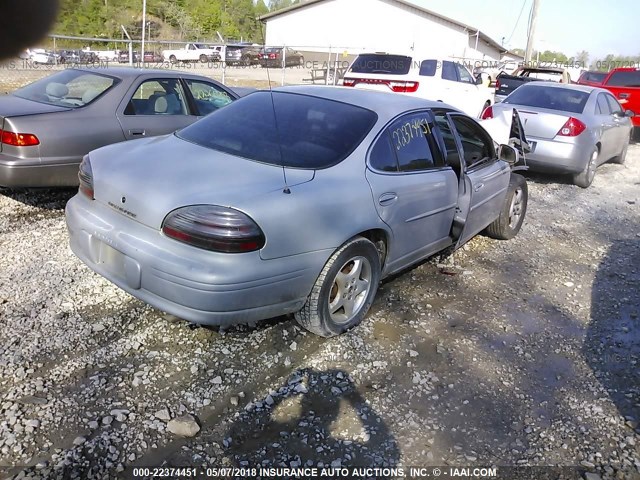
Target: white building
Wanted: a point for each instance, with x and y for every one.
(393, 26)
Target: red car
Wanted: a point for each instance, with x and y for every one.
(624, 83)
(592, 78)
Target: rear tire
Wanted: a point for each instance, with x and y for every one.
(514, 209)
(204, 58)
(585, 178)
(173, 59)
(344, 290)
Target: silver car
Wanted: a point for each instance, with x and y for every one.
(296, 201)
(572, 129)
(48, 126)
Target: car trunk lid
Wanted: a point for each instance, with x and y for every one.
(146, 179)
(538, 123)
(12, 106)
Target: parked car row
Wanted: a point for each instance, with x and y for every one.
(422, 175)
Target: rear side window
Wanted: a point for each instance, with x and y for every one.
(449, 71)
(428, 68)
(414, 143)
(310, 132)
(383, 157)
(382, 63)
(593, 76)
(602, 106)
(562, 99)
(630, 78)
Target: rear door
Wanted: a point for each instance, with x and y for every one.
(485, 178)
(154, 106)
(620, 133)
(414, 191)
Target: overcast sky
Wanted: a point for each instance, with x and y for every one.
(569, 26)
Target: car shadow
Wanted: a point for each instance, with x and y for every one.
(612, 341)
(315, 418)
(547, 178)
(46, 198)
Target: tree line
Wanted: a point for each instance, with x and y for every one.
(167, 19)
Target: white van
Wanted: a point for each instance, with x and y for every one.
(445, 80)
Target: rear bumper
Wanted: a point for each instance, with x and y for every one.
(17, 172)
(555, 156)
(194, 284)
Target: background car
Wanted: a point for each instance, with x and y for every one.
(571, 128)
(272, 57)
(439, 80)
(242, 55)
(49, 125)
(593, 78)
(370, 182)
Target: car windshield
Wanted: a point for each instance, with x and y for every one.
(381, 63)
(310, 132)
(553, 98)
(69, 88)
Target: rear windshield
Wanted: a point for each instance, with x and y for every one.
(593, 76)
(382, 63)
(310, 132)
(69, 88)
(562, 99)
(625, 79)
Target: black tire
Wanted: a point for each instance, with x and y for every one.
(173, 59)
(585, 178)
(204, 58)
(620, 159)
(359, 263)
(301, 62)
(514, 209)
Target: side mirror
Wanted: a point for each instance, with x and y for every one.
(629, 114)
(508, 154)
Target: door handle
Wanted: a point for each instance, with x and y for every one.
(137, 132)
(387, 198)
(478, 187)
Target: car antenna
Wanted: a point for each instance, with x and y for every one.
(286, 189)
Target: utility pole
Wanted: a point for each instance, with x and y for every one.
(532, 31)
(144, 21)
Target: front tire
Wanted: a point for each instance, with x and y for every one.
(620, 159)
(508, 224)
(173, 59)
(585, 178)
(344, 291)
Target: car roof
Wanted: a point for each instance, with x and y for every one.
(128, 72)
(389, 104)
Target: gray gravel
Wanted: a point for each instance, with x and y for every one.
(510, 353)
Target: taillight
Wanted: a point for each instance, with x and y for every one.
(404, 87)
(85, 177)
(18, 139)
(349, 82)
(211, 227)
(272, 55)
(572, 128)
(497, 85)
(487, 113)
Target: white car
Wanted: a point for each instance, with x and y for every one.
(445, 81)
(41, 56)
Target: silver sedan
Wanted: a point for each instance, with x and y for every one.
(48, 126)
(297, 201)
(572, 129)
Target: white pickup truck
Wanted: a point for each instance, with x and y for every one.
(192, 52)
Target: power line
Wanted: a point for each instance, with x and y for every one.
(518, 20)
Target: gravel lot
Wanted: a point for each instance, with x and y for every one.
(513, 353)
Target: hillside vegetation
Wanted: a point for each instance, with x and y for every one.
(166, 19)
